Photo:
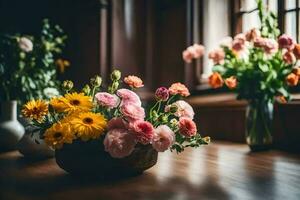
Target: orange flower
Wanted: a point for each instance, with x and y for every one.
(292, 79)
(133, 81)
(215, 80)
(296, 71)
(296, 51)
(231, 82)
(179, 88)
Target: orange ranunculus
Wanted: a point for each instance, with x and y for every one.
(179, 88)
(231, 82)
(133, 81)
(296, 51)
(296, 71)
(215, 80)
(292, 79)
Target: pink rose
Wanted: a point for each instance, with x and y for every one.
(119, 143)
(252, 34)
(143, 131)
(289, 57)
(286, 41)
(163, 138)
(268, 45)
(117, 123)
(187, 56)
(184, 109)
(129, 97)
(134, 81)
(162, 94)
(107, 100)
(187, 127)
(239, 42)
(217, 56)
(132, 112)
(193, 52)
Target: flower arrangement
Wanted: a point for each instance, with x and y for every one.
(116, 117)
(27, 64)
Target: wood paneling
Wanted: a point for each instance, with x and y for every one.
(218, 171)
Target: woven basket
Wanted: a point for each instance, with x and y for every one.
(89, 158)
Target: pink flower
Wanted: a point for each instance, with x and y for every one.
(119, 143)
(179, 88)
(193, 52)
(132, 112)
(134, 81)
(187, 127)
(268, 45)
(217, 56)
(107, 100)
(143, 131)
(162, 94)
(163, 138)
(117, 123)
(184, 109)
(187, 56)
(252, 34)
(289, 57)
(286, 41)
(238, 43)
(129, 97)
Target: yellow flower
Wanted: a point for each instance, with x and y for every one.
(89, 125)
(59, 134)
(62, 65)
(78, 101)
(59, 104)
(35, 110)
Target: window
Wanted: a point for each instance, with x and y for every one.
(289, 17)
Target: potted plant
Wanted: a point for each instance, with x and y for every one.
(109, 132)
(260, 67)
(27, 71)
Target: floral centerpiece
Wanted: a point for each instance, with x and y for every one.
(260, 67)
(108, 131)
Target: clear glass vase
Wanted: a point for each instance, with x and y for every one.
(259, 117)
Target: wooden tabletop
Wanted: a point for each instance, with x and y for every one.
(218, 171)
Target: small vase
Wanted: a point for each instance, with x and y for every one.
(32, 146)
(90, 159)
(259, 117)
(11, 130)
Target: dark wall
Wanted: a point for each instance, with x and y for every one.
(143, 37)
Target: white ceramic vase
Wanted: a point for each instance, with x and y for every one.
(11, 130)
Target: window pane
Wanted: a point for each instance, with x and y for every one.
(273, 5)
(250, 20)
(290, 24)
(248, 5)
(290, 4)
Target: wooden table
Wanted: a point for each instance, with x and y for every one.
(218, 171)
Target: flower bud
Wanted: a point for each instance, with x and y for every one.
(162, 94)
(164, 118)
(206, 139)
(174, 122)
(115, 75)
(86, 89)
(96, 81)
(173, 109)
(67, 85)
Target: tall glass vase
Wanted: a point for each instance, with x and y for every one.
(259, 117)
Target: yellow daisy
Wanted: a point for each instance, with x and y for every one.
(89, 125)
(59, 134)
(35, 110)
(59, 104)
(78, 101)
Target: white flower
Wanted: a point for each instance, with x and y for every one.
(25, 44)
(51, 92)
(184, 109)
